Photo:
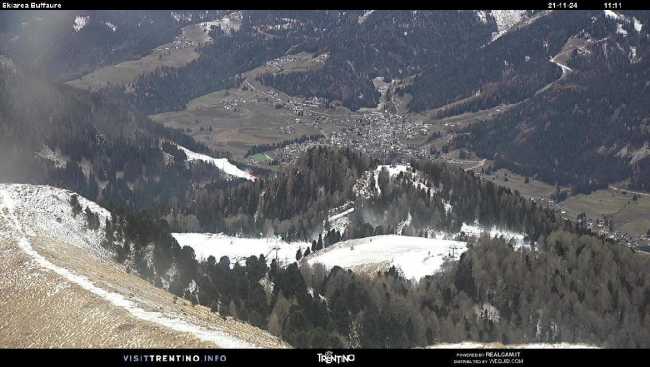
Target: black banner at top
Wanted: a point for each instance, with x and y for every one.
(323, 5)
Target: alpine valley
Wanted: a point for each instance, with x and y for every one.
(325, 179)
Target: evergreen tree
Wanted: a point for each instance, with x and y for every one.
(298, 255)
(76, 206)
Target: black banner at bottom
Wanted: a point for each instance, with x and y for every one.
(306, 357)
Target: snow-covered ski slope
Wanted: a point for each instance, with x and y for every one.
(239, 248)
(415, 257)
(222, 164)
(47, 210)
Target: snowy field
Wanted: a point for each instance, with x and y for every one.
(222, 164)
(238, 249)
(414, 256)
(476, 230)
(48, 211)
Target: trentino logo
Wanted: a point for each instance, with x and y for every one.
(329, 357)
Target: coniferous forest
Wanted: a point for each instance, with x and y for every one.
(582, 274)
(570, 287)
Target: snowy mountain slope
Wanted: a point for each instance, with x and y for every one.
(368, 184)
(227, 24)
(506, 19)
(238, 249)
(222, 164)
(48, 212)
(414, 256)
(36, 225)
(601, 58)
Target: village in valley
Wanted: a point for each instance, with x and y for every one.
(385, 132)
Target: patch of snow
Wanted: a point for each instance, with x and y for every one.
(476, 230)
(237, 248)
(613, 15)
(340, 220)
(52, 156)
(289, 23)
(482, 16)
(222, 164)
(620, 18)
(370, 179)
(638, 26)
(414, 256)
(633, 57)
(207, 26)
(365, 16)
(340, 215)
(228, 24)
(506, 19)
(148, 256)
(178, 17)
(48, 211)
(404, 224)
(170, 275)
(111, 26)
(565, 69)
(487, 311)
(393, 170)
(80, 22)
